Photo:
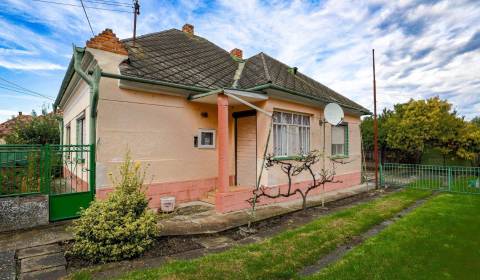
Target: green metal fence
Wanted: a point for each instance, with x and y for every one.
(66, 173)
(456, 179)
(20, 169)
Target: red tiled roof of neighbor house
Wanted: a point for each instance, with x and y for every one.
(7, 126)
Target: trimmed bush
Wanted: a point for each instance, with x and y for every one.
(119, 227)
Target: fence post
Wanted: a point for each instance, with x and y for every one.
(46, 174)
(92, 170)
(449, 179)
(380, 166)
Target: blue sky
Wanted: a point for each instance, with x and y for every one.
(423, 48)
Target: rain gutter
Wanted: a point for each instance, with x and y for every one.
(153, 82)
(93, 82)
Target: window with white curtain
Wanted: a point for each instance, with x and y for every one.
(339, 140)
(291, 134)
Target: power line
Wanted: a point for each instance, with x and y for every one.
(20, 88)
(86, 15)
(110, 3)
(24, 92)
(80, 6)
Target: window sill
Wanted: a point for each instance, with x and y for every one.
(339, 157)
(288, 157)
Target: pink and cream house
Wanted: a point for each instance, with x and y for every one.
(198, 116)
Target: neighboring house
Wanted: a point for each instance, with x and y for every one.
(7, 126)
(181, 106)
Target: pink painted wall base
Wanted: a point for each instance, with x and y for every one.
(237, 200)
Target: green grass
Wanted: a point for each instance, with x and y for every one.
(439, 240)
(280, 257)
(461, 184)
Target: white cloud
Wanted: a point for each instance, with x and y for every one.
(29, 65)
(417, 51)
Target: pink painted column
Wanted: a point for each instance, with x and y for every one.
(223, 170)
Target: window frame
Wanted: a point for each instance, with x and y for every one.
(345, 153)
(277, 129)
(214, 138)
(80, 136)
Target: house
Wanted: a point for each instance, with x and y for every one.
(7, 126)
(197, 116)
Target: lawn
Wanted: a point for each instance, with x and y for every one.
(282, 256)
(440, 240)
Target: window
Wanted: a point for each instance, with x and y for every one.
(68, 135)
(81, 130)
(206, 138)
(81, 136)
(291, 134)
(340, 140)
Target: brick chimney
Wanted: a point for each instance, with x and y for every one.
(238, 53)
(188, 28)
(107, 41)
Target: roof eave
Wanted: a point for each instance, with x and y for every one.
(363, 111)
(66, 80)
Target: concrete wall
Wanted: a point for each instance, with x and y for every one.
(19, 212)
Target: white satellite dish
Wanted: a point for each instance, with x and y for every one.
(333, 113)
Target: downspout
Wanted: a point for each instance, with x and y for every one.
(93, 82)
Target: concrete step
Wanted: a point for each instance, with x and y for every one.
(53, 273)
(38, 251)
(42, 262)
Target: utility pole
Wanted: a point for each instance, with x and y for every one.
(136, 12)
(375, 123)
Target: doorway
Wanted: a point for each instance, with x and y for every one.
(245, 148)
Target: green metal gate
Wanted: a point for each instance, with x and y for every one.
(66, 173)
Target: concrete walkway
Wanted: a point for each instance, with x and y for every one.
(210, 221)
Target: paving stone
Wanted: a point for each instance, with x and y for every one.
(38, 251)
(215, 241)
(42, 262)
(53, 273)
(7, 265)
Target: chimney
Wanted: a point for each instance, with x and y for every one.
(188, 28)
(238, 53)
(107, 41)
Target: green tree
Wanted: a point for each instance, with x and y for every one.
(476, 121)
(40, 129)
(366, 128)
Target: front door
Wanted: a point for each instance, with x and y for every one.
(245, 148)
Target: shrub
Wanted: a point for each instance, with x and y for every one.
(119, 227)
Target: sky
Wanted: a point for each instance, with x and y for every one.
(422, 48)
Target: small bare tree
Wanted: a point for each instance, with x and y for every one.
(295, 167)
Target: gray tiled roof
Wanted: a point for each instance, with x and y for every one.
(174, 56)
(262, 68)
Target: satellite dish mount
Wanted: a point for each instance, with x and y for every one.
(332, 114)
